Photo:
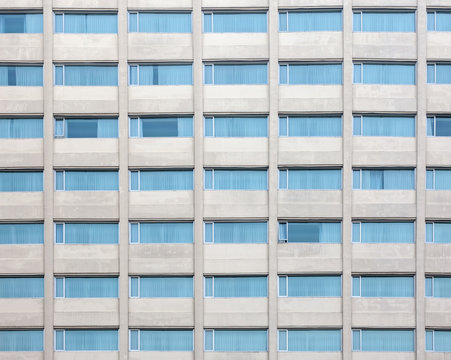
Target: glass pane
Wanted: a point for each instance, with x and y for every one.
(134, 339)
(387, 286)
(208, 236)
(314, 286)
(240, 286)
(388, 232)
(314, 232)
(208, 22)
(132, 22)
(208, 283)
(159, 22)
(314, 340)
(283, 338)
(21, 340)
(166, 340)
(394, 74)
(430, 340)
(134, 286)
(388, 340)
(59, 287)
(240, 74)
(356, 286)
(21, 233)
(240, 180)
(208, 340)
(240, 232)
(315, 74)
(431, 21)
(318, 179)
(283, 179)
(429, 179)
(388, 21)
(283, 286)
(166, 287)
(91, 340)
(91, 180)
(84, 287)
(314, 126)
(356, 340)
(59, 339)
(357, 73)
(208, 126)
(21, 181)
(167, 233)
(154, 180)
(21, 287)
(443, 126)
(240, 340)
(314, 21)
(239, 22)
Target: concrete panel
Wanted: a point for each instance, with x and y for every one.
(384, 45)
(88, 205)
(175, 99)
(161, 355)
(438, 151)
(236, 259)
(365, 355)
(310, 98)
(310, 4)
(159, 46)
(437, 3)
(438, 204)
(232, 204)
(23, 47)
(384, 3)
(235, 312)
(21, 99)
(160, 4)
(236, 151)
(164, 152)
(161, 312)
(21, 206)
(21, 4)
(235, 355)
(86, 152)
(83, 355)
(383, 203)
(231, 4)
(297, 258)
(309, 311)
(235, 45)
(438, 312)
(383, 258)
(310, 204)
(22, 259)
(22, 355)
(236, 99)
(85, 4)
(85, 100)
(437, 98)
(309, 355)
(437, 258)
(20, 313)
(86, 259)
(310, 151)
(437, 356)
(311, 45)
(154, 259)
(85, 47)
(86, 312)
(383, 151)
(22, 153)
(438, 45)
(161, 204)
(374, 97)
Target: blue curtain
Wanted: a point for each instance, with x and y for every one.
(21, 23)
(240, 286)
(442, 340)
(14, 181)
(166, 287)
(90, 287)
(388, 179)
(92, 180)
(173, 22)
(240, 232)
(312, 232)
(240, 180)
(393, 74)
(388, 232)
(21, 287)
(90, 23)
(166, 340)
(443, 21)
(240, 126)
(315, 21)
(315, 74)
(388, 340)
(91, 128)
(166, 127)
(240, 74)
(166, 74)
(21, 128)
(314, 340)
(244, 22)
(314, 179)
(388, 21)
(166, 180)
(314, 286)
(91, 340)
(90, 75)
(442, 233)
(21, 340)
(240, 340)
(386, 126)
(21, 75)
(442, 287)
(443, 73)
(312, 126)
(167, 233)
(21, 233)
(442, 179)
(92, 233)
(387, 286)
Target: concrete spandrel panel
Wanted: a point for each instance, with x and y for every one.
(310, 98)
(157, 46)
(438, 204)
(22, 99)
(234, 204)
(160, 5)
(241, 45)
(365, 355)
(370, 258)
(309, 355)
(85, 47)
(310, 151)
(235, 312)
(86, 152)
(309, 311)
(236, 151)
(310, 4)
(84, 355)
(22, 355)
(85, 4)
(219, 4)
(21, 4)
(295, 258)
(384, 3)
(310, 204)
(437, 258)
(86, 205)
(22, 259)
(22, 153)
(383, 204)
(438, 151)
(437, 356)
(21, 206)
(235, 355)
(228, 99)
(22, 312)
(175, 99)
(26, 47)
(161, 355)
(165, 204)
(438, 312)
(391, 98)
(384, 45)
(438, 96)
(311, 45)
(85, 100)
(439, 45)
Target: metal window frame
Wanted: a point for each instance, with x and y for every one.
(130, 232)
(64, 287)
(130, 180)
(213, 339)
(130, 287)
(64, 179)
(55, 232)
(212, 286)
(286, 285)
(63, 331)
(286, 340)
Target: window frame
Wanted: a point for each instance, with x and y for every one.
(361, 116)
(287, 276)
(378, 62)
(206, 169)
(55, 331)
(138, 331)
(287, 117)
(140, 118)
(213, 63)
(287, 64)
(139, 12)
(79, 12)
(171, 63)
(279, 331)
(361, 11)
(360, 169)
(64, 118)
(213, 11)
(360, 276)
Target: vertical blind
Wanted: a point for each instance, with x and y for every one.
(86, 128)
(159, 22)
(438, 340)
(311, 286)
(21, 23)
(237, 126)
(21, 233)
(88, 180)
(162, 74)
(391, 74)
(87, 340)
(236, 232)
(310, 74)
(439, 73)
(164, 287)
(21, 75)
(87, 233)
(21, 340)
(383, 232)
(310, 179)
(21, 287)
(317, 340)
(236, 180)
(436, 232)
(297, 21)
(236, 286)
(372, 125)
(310, 126)
(387, 21)
(181, 126)
(236, 74)
(162, 233)
(383, 286)
(239, 22)
(236, 340)
(438, 126)
(86, 287)
(15, 181)
(150, 180)
(21, 128)
(439, 21)
(438, 286)
(161, 340)
(310, 232)
(382, 340)
(86, 23)
(372, 179)
(86, 75)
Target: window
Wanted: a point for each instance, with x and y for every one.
(316, 20)
(21, 128)
(20, 234)
(161, 233)
(310, 74)
(161, 287)
(310, 285)
(438, 340)
(78, 180)
(310, 179)
(91, 23)
(438, 286)
(309, 125)
(439, 20)
(236, 126)
(86, 233)
(161, 74)
(235, 74)
(318, 340)
(437, 232)
(383, 232)
(235, 22)
(21, 75)
(387, 21)
(439, 125)
(21, 287)
(383, 179)
(86, 340)
(439, 73)
(217, 179)
(21, 340)
(383, 286)
(159, 22)
(438, 179)
(235, 286)
(242, 340)
(86, 287)
(86, 127)
(381, 340)
(151, 180)
(15, 181)
(390, 74)
(161, 340)
(310, 232)
(85, 75)
(181, 126)
(236, 232)
(20, 23)
(383, 125)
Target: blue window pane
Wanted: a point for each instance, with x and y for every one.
(21, 340)
(165, 74)
(283, 179)
(356, 179)
(134, 340)
(132, 22)
(283, 21)
(283, 74)
(429, 179)
(90, 75)
(166, 287)
(208, 235)
(91, 128)
(315, 74)
(208, 179)
(21, 128)
(388, 179)
(240, 286)
(20, 181)
(314, 179)
(21, 233)
(314, 126)
(357, 73)
(23, 75)
(59, 287)
(166, 180)
(442, 126)
(208, 340)
(388, 340)
(442, 340)
(357, 125)
(166, 340)
(167, 233)
(208, 126)
(133, 75)
(59, 127)
(442, 287)
(429, 232)
(314, 286)
(239, 22)
(241, 232)
(443, 73)
(357, 21)
(134, 287)
(388, 232)
(314, 340)
(430, 340)
(431, 21)
(283, 286)
(398, 74)
(443, 21)
(208, 26)
(240, 74)
(159, 22)
(387, 286)
(430, 125)
(388, 126)
(134, 127)
(91, 340)
(356, 232)
(283, 231)
(59, 339)
(282, 340)
(91, 180)
(21, 23)
(134, 180)
(241, 126)
(429, 286)
(208, 286)
(134, 233)
(208, 74)
(315, 21)
(240, 180)
(442, 232)
(356, 286)
(442, 179)
(59, 75)
(166, 127)
(21, 287)
(59, 23)
(240, 340)
(91, 287)
(90, 23)
(431, 73)
(388, 21)
(356, 340)
(283, 126)
(91, 233)
(314, 232)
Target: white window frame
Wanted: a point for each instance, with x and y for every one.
(130, 179)
(64, 233)
(130, 287)
(360, 12)
(435, 19)
(130, 232)
(278, 285)
(54, 74)
(360, 285)
(278, 180)
(213, 340)
(212, 232)
(212, 287)
(55, 13)
(433, 340)
(286, 119)
(130, 340)
(278, 340)
(64, 339)
(64, 287)
(137, 21)
(432, 286)
(283, 223)
(360, 341)
(211, 23)
(64, 179)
